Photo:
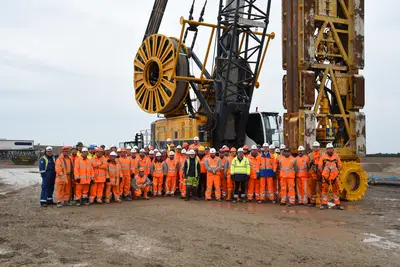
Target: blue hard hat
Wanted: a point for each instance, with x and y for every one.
(91, 147)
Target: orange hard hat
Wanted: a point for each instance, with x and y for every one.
(233, 149)
(123, 150)
(65, 148)
(246, 147)
(185, 144)
(172, 145)
(141, 169)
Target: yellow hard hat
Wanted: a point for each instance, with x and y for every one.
(201, 148)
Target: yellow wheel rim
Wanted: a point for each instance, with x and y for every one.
(353, 181)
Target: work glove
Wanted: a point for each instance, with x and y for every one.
(132, 175)
(91, 182)
(107, 180)
(78, 181)
(120, 179)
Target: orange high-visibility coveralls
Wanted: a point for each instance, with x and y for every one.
(301, 167)
(277, 181)
(194, 147)
(171, 171)
(330, 166)
(254, 182)
(135, 165)
(141, 185)
(100, 168)
(145, 163)
(182, 183)
(287, 173)
(315, 175)
(213, 166)
(83, 170)
(158, 174)
(223, 174)
(267, 176)
(229, 182)
(63, 178)
(114, 172)
(127, 169)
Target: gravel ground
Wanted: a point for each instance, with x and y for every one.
(171, 232)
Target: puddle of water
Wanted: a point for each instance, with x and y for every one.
(380, 242)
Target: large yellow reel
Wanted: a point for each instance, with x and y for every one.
(353, 181)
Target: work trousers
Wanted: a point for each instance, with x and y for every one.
(213, 180)
(96, 191)
(224, 186)
(302, 189)
(125, 186)
(253, 188)
(144, 190)
(170, 185)
(229, 184)
(157, 185)
(288, 188)
(242, 186)
(63, 190)
(114, 189)
(267, 188)
(81, 191)
(48, 182)
(182, 186)
(325, 191)
(315, 189)
(202, 185)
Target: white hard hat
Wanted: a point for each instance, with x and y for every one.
(277, 150)
(128, 147)
(169, 140)
(85, 149)
(301, 148)
(196, 138)
(142, 151)
(179, 147)
(282, 146)
(113, 146)
(136, 147)
(151, 152)
(191, 152)
(113, 154)
(49, 148)
(316, 144)
(224, 146)
(106, 148)
(272, 147)
(119, 150)
(240, 150)
(329, 145)
(156, 150)
(254, 147)
(158, 154)
(133, 151)
(172, 153)
(213, 151)
(265, 145)
(183, 151)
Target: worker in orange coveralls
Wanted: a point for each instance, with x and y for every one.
(83, 172)
(254, 180)
(157, 173)
(171, 171)
(127, 170)
(99, 164)
(196, 143)
(213, 166)
(315, 173)
(267, 173)
(144, 162)
(64, 170)
(185, 146)
(330, 165)
(113, 178)
(223, 173)
(231, 154)
(182, 183)
(301, 166)
(286, 165)
(141, 185)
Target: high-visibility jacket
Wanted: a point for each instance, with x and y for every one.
(140, 182)
(145, 163)
(170, 169)
(255, 163)
(188, 171)
(194, 147)
(64, 168)
(114, 172)
(157, 169)
(73, 158)
(178, 157)
(83, 170)
(268, 165)
(314, 162)
(90, 155)
(240, 169)
(100, 169)
(330, 166)
(225, 166)
(286, 167)
(202, 166)
(213, 164)
(126, 166)
(44, 164)
(135, 165)
(301, 166)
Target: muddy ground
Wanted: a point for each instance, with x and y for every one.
(171, 232)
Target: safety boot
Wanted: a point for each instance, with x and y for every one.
(78, 202)
(311, 205)
(43, 205)
(324, 207)
(59, 204)
(128, 198)
(338, 207)
(99, 200)
(86, 202)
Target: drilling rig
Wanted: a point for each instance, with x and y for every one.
(164, 83)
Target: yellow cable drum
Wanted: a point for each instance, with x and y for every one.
(156, 90)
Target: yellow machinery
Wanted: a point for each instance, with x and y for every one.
(323, 92)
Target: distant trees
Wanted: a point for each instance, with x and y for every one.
(384, 155)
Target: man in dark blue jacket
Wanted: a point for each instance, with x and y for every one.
(47, 170)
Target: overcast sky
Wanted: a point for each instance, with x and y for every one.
(66, 69)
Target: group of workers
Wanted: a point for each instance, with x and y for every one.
(262, 173)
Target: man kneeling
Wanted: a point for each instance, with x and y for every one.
(141, 185)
